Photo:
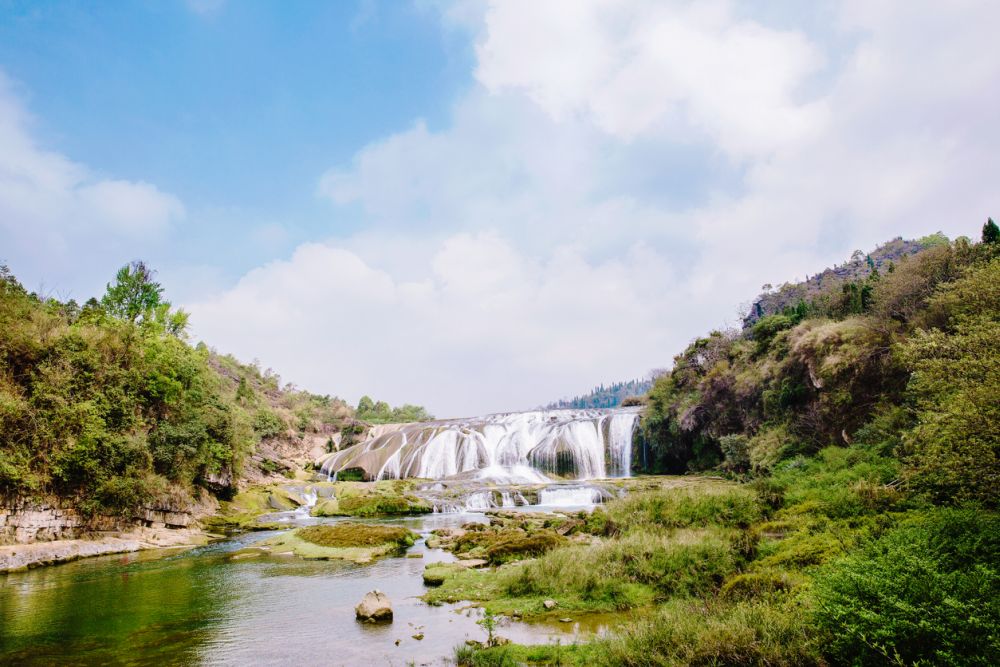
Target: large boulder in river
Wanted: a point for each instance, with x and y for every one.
(374, 607)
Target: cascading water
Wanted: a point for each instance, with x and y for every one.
(522, 447)
(567, 497)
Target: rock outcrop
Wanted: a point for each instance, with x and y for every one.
(374, 607)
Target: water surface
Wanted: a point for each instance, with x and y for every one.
(202, 607)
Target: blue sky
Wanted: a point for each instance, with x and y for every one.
(232, 107)
(482, 205)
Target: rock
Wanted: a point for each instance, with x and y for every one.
(471, 562)
(565, 620)
(549, 604)
(374, 607)
(473, 643)
(418, 636)
(327, 507)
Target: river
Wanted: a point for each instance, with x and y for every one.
(201, 606)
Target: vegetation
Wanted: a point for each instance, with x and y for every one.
(361, 543)
(348, 534)
(379, 412)
(108, 406)
(610, 396)
(860, 426)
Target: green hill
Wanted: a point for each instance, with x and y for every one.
(601, 396)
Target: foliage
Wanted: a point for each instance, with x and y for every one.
(110, 407)
(903, 359)
(927, 592)
(381, 413)
(991, 233)
(605, 396)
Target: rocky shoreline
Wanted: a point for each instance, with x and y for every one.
(20, 557)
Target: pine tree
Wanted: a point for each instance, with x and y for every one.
(991, 233)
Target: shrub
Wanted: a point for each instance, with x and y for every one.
(267, 424)
(926, 592)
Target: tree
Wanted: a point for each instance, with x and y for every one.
(991, 233)
(365, 405)
(133, 294)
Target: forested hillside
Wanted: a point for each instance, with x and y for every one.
(864, 423)
(867, 418)
(610, 396)
(108, 404)
(902, 362)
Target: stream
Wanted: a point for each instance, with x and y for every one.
(200, 606)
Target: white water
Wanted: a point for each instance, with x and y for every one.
(310, 496)
(521, 447)
(567, 497)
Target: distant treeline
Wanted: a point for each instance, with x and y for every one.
(601, 396)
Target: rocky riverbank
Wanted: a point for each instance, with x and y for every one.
(19, 557)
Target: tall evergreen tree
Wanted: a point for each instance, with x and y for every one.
(991, 233)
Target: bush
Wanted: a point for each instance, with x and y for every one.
(267, 424)
(926, 592)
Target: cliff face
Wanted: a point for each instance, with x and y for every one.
(25, 521)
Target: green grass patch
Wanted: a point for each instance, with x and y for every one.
(349, 534)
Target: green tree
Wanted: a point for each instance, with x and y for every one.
(133, 294)
(365, 406)
(991, 233)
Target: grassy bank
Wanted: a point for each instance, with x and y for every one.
(826, 562)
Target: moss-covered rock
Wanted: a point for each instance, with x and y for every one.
(327, 507)
(350, 534)
(283, 499)
(360, 543)
(517, 546)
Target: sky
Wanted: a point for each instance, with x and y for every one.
(482, 205)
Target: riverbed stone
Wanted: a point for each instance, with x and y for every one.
(549, 604)
(374, 607)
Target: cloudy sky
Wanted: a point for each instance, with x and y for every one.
(482, 206)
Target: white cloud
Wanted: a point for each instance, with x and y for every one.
(545, 240)
(59, 219)
(488, 327)
(643, 67)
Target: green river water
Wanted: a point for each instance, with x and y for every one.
(199, 606)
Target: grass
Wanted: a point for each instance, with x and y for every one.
(827, 562)
(501, 545)
(360, 543)
(349, 534)
(682, 632)
(709, 504)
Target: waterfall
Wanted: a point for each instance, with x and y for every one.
(564, 497)
(310, 496)
(520, 447)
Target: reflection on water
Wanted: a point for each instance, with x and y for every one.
(200, 607)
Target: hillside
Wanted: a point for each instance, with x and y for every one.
(862, 428)
(109, 409)
(610, 396)
(787, 295)
(865, 359)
